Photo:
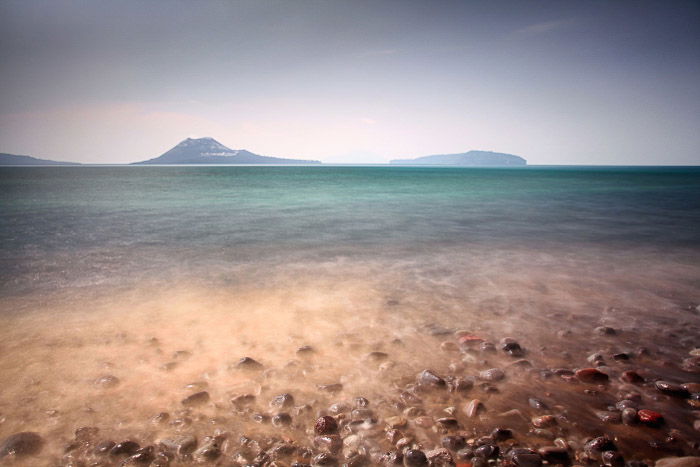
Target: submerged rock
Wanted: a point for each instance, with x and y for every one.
(592, 376)
(21, 444)
(197, 398)
(247, 363)
(107, 381)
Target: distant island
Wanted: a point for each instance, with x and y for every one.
(14, 159)
(210, 151)
(469, 159)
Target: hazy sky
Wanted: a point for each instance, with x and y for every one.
(558, 82)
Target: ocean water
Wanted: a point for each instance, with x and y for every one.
(166, 276)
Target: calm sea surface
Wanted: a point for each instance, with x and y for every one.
(125, 290)
(63, 227)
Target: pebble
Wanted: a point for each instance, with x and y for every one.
(605, 331)
(326, 425)
(524, 457)
(453, 443)
(671, 389)
(282, 419)
(414, 458)
(396, 422)
(474, 407)
(487, 451)
(537, 404)
(107, 381)
(555, 455)
(243, 400)
(330, 443)
(361, 402)
(125, 447)
(607, 416)
(182, 445)
(512, 347)
(305, 350)
(197, 398)
(332, 388)
(595, 447)
(650, 417)
(492, 374)
(612, 458)
(631, 377)
(629, 416)
(247, 363)
(430, 378)
(25, 443)
(282, 401)
(501, 434)
(591, 376)
(544, 421)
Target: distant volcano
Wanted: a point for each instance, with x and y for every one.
(469, 159)
(210, 151)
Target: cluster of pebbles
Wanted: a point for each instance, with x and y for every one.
(607, 408)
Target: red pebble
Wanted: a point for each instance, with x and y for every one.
(650, 417)
(592, 376)
(470, 339)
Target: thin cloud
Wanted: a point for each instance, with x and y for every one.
(544, 27)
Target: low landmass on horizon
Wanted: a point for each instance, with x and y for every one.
(14, 159)
(209, 151)
(471, 159)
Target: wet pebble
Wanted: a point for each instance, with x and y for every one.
(544, 421)
(414, 458)
(524, 457)
(473, 408)
(671, 389)
(180, 444)
(608, 417)
(326, 425)
(512, 347)
(431, 379)
(125, 447)
(650, 417)
(492, 374)
(537, 404)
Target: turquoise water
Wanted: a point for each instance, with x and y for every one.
(115, 224)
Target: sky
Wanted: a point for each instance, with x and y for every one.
(556, 82)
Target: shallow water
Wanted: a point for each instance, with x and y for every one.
(116, 271)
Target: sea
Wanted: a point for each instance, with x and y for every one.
(126, 289)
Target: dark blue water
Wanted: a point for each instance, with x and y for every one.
(63, 226)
